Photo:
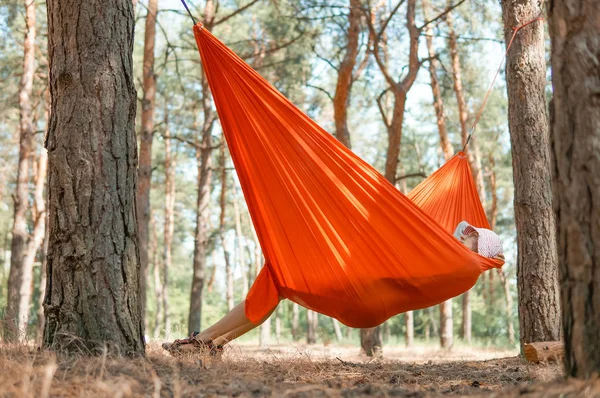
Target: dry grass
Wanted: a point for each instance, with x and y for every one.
(285, 370)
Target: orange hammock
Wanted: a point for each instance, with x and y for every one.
(337, 237)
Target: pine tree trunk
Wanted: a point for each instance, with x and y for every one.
(277, 324)
(466, 318)
(153, 249)
(370, 341)
(337, 329)
(446, 325)
(341, 99)
(13, 318)
(575, 33)
(204, 160)
(265, 333)
(169, 226)
(311, 333)
(410, 328)
(295, 321)
(146, 137)
(228, 267)
(438, 103)
(539, 306)
(510, 327)
(240, 242)
(93, 298)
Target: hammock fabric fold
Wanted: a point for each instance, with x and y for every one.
(337, 237)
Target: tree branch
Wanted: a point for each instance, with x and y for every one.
(446, 11)
(411, 175)
(321, 90)
(234, 13)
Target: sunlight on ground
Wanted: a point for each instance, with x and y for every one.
(292, 370)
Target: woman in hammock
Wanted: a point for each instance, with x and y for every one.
(235, 323)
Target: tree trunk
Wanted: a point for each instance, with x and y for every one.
(410, 328)
(265, 333)
(147, 134)
(446, 325)
(337, 329)
(370, 337)
(13, 319)
(204, 160)
(93, 297)
(295, 321)
(241, 260)
(508, 309)
(438, 103)
(170, 166)
(539, 307)
(575, 33)
(158, 291)
(341, 99)
(311, 333)
(277, 324)
(370, 341)
(466, 318)
(222, 202)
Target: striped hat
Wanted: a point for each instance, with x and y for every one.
(488, 243)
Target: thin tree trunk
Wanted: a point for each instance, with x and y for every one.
(240, 242)
(438, 102)
(159, 317)
(341, 99)
(12, 317)
(337, 329)
(508, 309)
(311, 333)
(222, 202)
(265, 333)
(539, 305)
(370, 337)
(170, 187)
(204, 160)
(93, 300)
(146, 137)
(277, 324)
(466, 318)
(575, 34)
(410, 328)
(295, 321)
(446, 325)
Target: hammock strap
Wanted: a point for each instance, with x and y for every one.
(487, 94)
(189, 12)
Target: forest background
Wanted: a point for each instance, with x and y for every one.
(298, 46)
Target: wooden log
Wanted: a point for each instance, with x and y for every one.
(544, 351)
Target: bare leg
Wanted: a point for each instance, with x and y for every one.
(232, 325)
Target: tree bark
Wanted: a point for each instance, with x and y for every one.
(539, 306)
(168, 228)
(410, 328)
(241, 260)
(337, 329)
(295, 321)
(222, 202)
(13, 317)
(311, 333)
(510, 327)
(446, 325)
(370, 337)
(466, 318)
(204, 160)
(438, 103)
(575, 34)
(341, 99)
(153, 249)
(146, 137)
(93, 298)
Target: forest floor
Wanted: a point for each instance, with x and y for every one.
(286, 370)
